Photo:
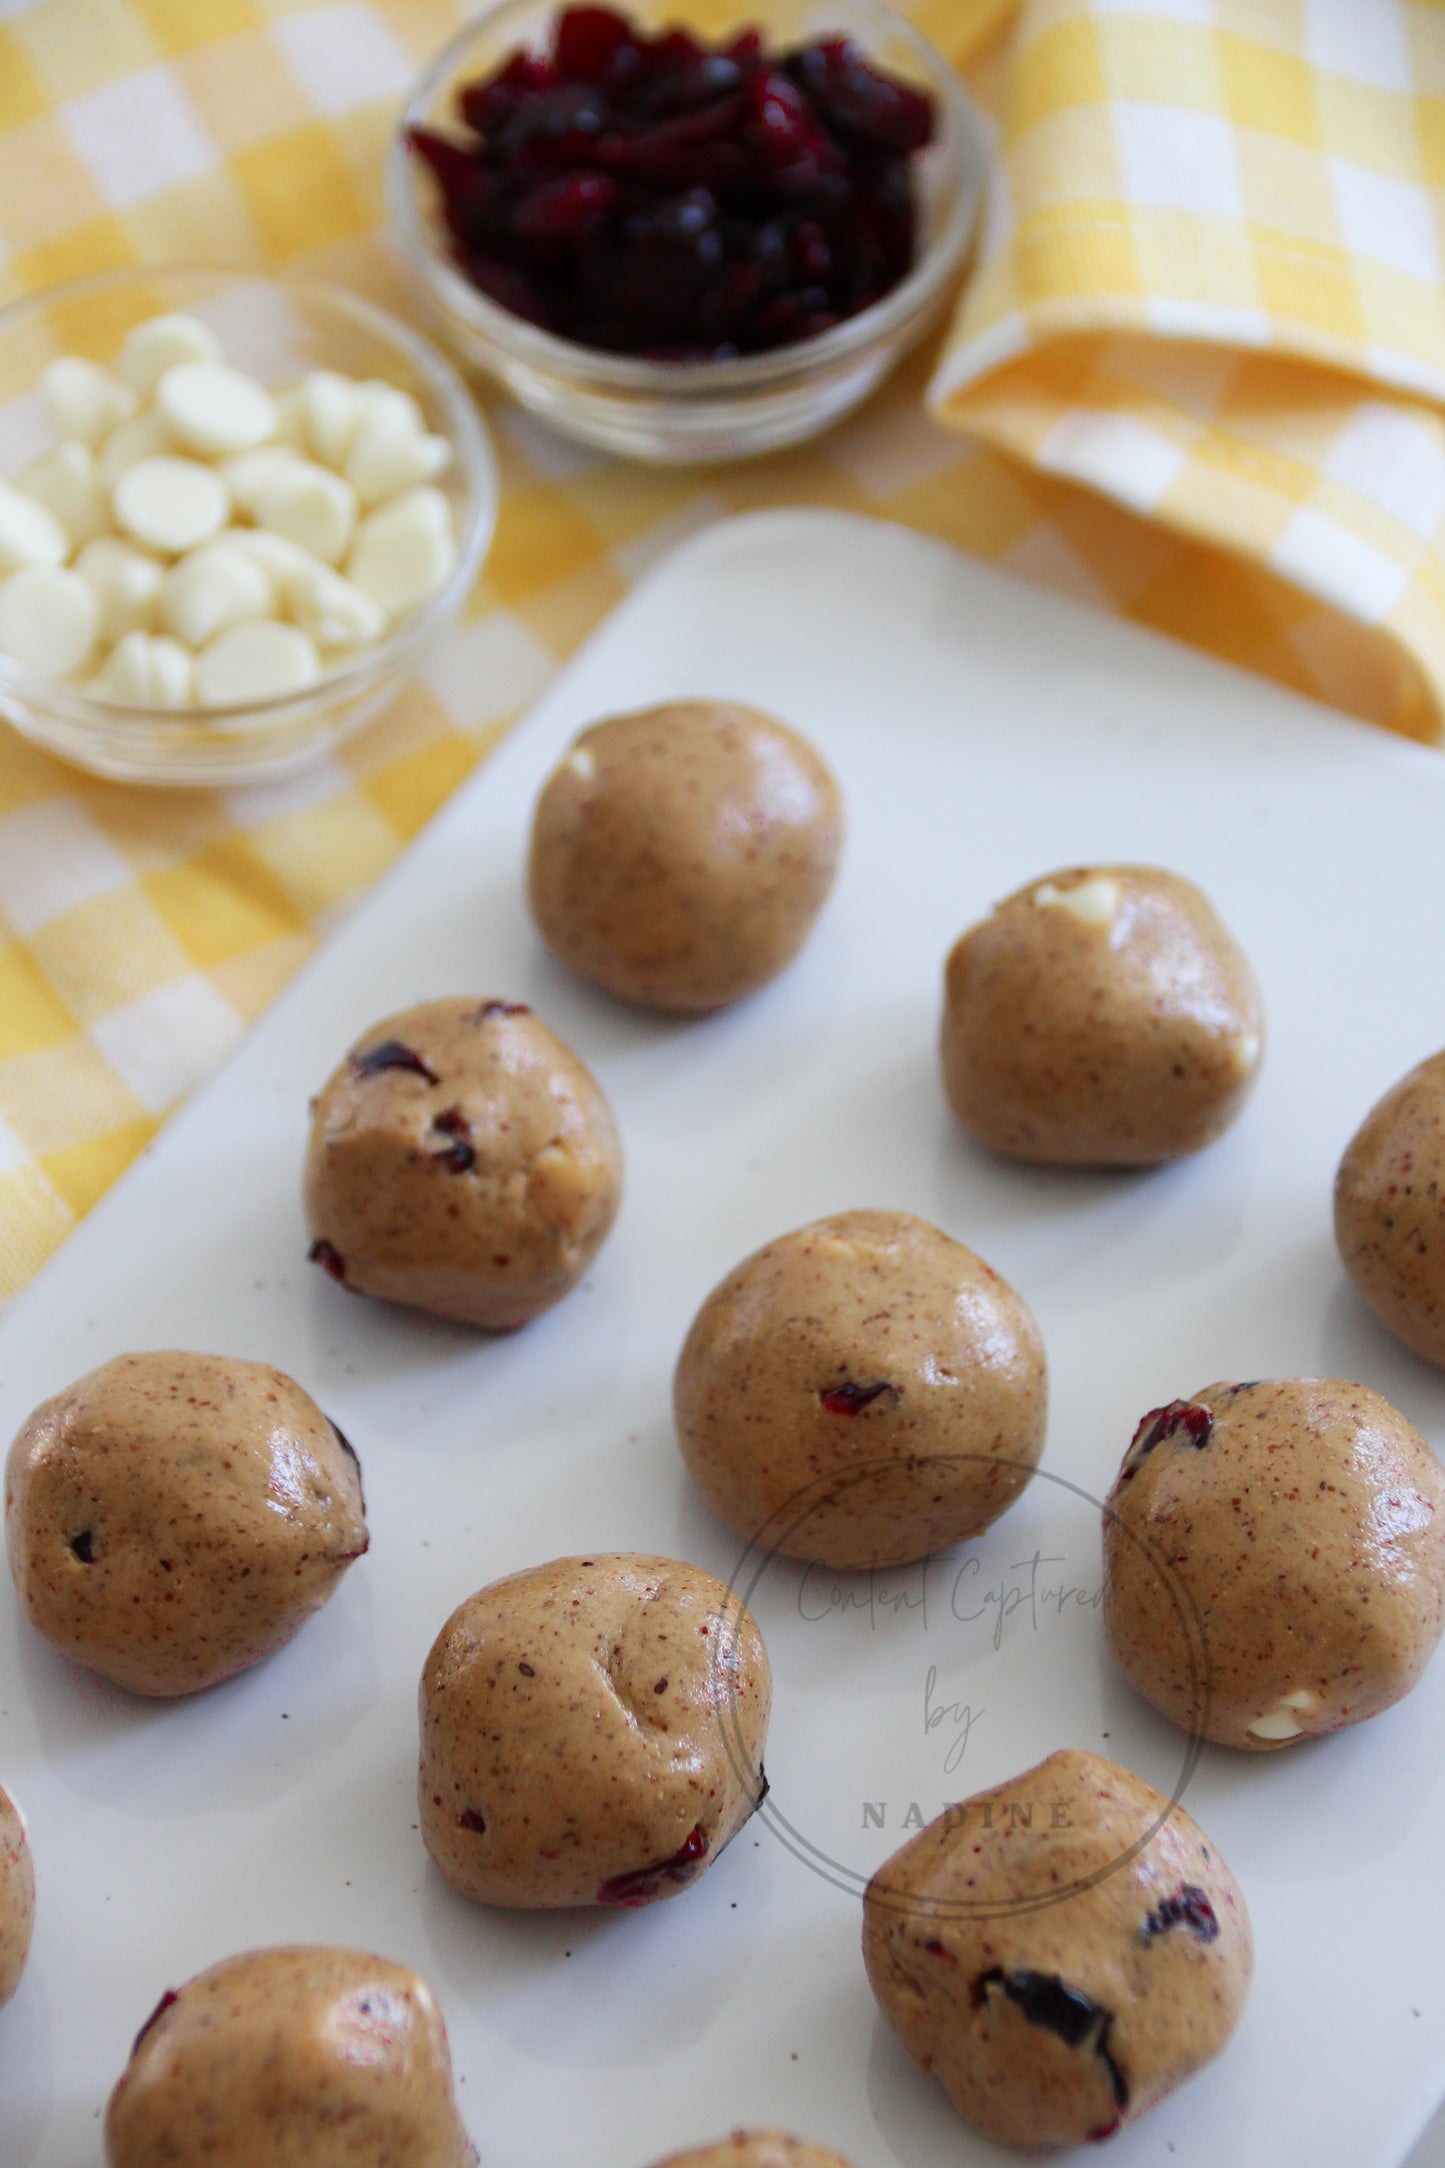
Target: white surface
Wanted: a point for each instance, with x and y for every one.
(984, 733)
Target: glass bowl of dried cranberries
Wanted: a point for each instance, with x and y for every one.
(677, 235)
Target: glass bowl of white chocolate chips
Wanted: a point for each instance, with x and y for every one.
(235, 512)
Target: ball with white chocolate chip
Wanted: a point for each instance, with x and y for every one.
(755, 2149)
(1274, 1559)
(1060, 1951)
(17, 1897)
(1104, 1016)
(464, 1161)
(1390, 1209)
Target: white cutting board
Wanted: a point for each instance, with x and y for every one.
(983, 732)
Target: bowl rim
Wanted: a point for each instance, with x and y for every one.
(675, 382)
(473, 452)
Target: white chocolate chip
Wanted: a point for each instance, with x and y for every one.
(291, 419)
(47, 620)
(248, 473)
(1246, 1051)
(146, 671)
(389, 452)
(172, 504)
(406, 551)
(278, 558)
(67, 483)
(126, 584)
(84, 401)
(144, 436)
(214, 587)
(376, 387)
(331, 609)
(1280, 1722)
(583, 763)
(255, 662)
(214, 410)
(333, 407)
(1095, 901)
(162, 343)
(29, 534)
(311, 507)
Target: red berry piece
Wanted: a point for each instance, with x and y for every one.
(391, 1054)
(1188, 1907)
(1182, 1419)
(851, 1399)
(642, 1884)
(329, 1258)
(170, 1996)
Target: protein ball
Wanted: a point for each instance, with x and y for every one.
(172, 1518)
(591, 1733)
(462, 1160)
(17, 1897)
(1274, 1559)
(1056, 1986)
(680, 855)
(862, 1392)
(1390, 1209)
(755, 2149)
(298, 2058)
(1104, 1016)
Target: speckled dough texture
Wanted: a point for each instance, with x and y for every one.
(291, 2058)
(1390, 1209)
(172, 1518)
(591, 1733)
(17, 1897)
(1284, 1540)
(1103, 1016)
(680, 855)
(1049, 2024)
(861, 1392)
(464, 1161)
(756, 2149)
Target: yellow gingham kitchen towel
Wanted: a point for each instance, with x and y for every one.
(140, 931)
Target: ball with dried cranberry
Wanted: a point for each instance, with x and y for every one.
(173, 1518)
(755, 2149)
(464, 1161)
(17, 1897)
(591, 1733)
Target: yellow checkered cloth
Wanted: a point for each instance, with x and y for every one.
(1154, 390)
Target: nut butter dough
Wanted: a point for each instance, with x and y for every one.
(464, 1161)
(1287, 1537)
(17, 1897)
(1390, 1209)
(862, 1392)
(172, 1518)
(1051, 2023)
(591, 1732)
(680, 855)
(755, 2149)
(291, 2058)
(1102, 1017)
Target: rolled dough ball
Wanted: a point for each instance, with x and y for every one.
(1104, 1016)
(680, 855)
(1056, 1987)
(291, 2058)
(1301, 1522)
(172, 1518)
(17, 1897)
(462, 1160)
(862, 1392)
(755, 2149)
(591, 1733)
(1390, 1209)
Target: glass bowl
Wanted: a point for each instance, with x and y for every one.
(277, 328)
(680, 413)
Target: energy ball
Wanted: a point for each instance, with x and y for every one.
(173, 1518)
(1274, 1559)
(862, 1392)
(298, 2058)
(755, 2149)
(680, 855)
(1390, 1210)
(1056, 1986)
(1102, 1017)
(591, 1733)
(462, 1160)
(17, 1897)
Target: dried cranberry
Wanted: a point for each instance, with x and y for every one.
(1050, 2002)
(469, 1819)
(391, 1054)
(170, 1996)
(851, 1399)
(1188, 1907)
(502, 1008)
(589, 40)
(329, 1258)
(857, 102)
(83, 1546)
(1195, 1421)
(641, 1884)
